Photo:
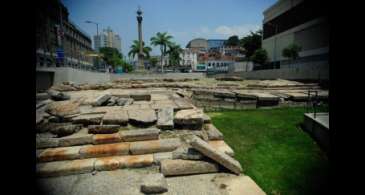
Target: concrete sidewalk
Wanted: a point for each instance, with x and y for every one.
(128, 181)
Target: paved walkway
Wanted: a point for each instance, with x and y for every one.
(127, 181)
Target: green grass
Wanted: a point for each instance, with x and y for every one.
(273, 150)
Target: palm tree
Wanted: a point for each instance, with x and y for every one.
(162, 40)
(134, 49)
(174, 53)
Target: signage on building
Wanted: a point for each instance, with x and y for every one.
(60, 54)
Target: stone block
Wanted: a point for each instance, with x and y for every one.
(58, 154)
(216, 155)
(104, 150)
(224, 94)
(63, 108)
(139, 134)
(76, 139)
(165, 118)
(158, 157)
(221, 146)
(212, 132)
(155, 146)
(140, 96)
(189, 119)
(154, 183)
(182, 104)
(119, 117)
(187, 167)
(42, 142)
(107, 163)
(62, 168)
(142, 118)
(120, 162)
(136, 161)
(106, 138)
(103, 129)
(206, 119)
(88, 119)
(186, 153)
(101, 99)
(226, 105)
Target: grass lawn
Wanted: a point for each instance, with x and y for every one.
(273, 150)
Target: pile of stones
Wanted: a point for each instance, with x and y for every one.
(76, 138)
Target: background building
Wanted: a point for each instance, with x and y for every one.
(216, 43)
(56, 36)
(198, 44)
(189, 58)
(304, 23)
(107, 38)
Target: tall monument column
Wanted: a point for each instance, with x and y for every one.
(140, 66)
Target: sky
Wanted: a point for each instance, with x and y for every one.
(183, 19)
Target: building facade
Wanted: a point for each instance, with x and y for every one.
(304, 23)
(189, 58)
(107, 38)
(60, 42)
(198, 44)
(216, 43)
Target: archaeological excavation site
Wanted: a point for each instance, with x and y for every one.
(148, 136)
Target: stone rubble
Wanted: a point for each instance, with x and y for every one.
(216, 155)
(103, 129)
(187, 167)
(165, 118)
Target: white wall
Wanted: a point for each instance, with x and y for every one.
(310, 36)
(309, 71)
(63, 74)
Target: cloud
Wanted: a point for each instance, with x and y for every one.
(240, 30)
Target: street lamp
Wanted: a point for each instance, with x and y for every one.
(97, 26)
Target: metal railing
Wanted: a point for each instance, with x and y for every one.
(312, 101)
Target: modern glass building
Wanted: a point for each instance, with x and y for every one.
(215, 43)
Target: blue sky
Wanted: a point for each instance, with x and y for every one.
(183, 19)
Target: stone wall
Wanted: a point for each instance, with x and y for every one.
(63, 74)
(194, 75)
(311, 71)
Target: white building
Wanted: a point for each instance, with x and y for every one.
(108, 38)
(309, 29)
(189, 58)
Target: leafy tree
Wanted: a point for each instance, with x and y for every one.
(126, 66)
(163, 40)
(232, 41)
(174, 53)
(111, 56)
(260, 56)
(292, 51)
(251, 42)
(134, 49)
(153, 61)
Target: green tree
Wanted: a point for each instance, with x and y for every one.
(126, 66)
(232, 41)
(174, 53)
(292, 51)
(251, 42)
(134, 49)
(163, 40)
(260, 56)
(153, 61)
(111, 56)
